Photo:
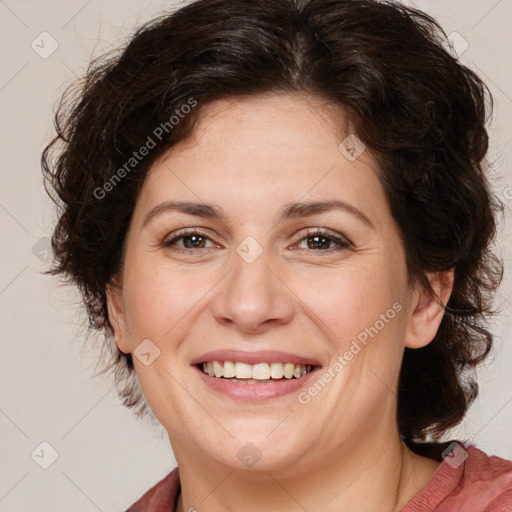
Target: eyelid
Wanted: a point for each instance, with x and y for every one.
(342, 241)
(333, 235)
(184, 232)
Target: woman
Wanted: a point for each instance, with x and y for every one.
(277, 213)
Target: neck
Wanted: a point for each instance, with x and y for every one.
(381, 474)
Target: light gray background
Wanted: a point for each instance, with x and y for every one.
(107, 458)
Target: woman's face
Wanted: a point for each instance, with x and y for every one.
(260, 275)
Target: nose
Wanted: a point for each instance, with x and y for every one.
(253, 296)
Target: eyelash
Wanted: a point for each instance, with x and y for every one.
(343, 243)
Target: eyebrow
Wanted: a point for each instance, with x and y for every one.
(308, 209)
(290, 211)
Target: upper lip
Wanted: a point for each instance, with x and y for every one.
(262, 356)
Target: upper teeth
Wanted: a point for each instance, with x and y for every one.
(260, 371)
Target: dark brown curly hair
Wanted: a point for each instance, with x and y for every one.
(420, 111)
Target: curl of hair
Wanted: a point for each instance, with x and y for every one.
(421, 113)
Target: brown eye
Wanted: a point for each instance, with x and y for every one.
(192, 241)
(321, 241)
(318, 242)
(188, 241)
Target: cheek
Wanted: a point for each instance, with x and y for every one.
(160, 299)
(353, 300)
(162, 303)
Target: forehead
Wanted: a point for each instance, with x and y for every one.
(262, 152)
(258, 124)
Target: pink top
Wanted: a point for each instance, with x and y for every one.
(477, 484)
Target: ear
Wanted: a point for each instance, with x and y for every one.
(117, 316)
(428, 309)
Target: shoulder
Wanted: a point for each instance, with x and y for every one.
(161, 497)
(468, 480)
(488, 480)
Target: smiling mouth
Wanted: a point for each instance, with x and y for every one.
(260, 373)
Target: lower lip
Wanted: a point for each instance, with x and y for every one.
(255, 392)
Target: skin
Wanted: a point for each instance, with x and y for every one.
(341, 451)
